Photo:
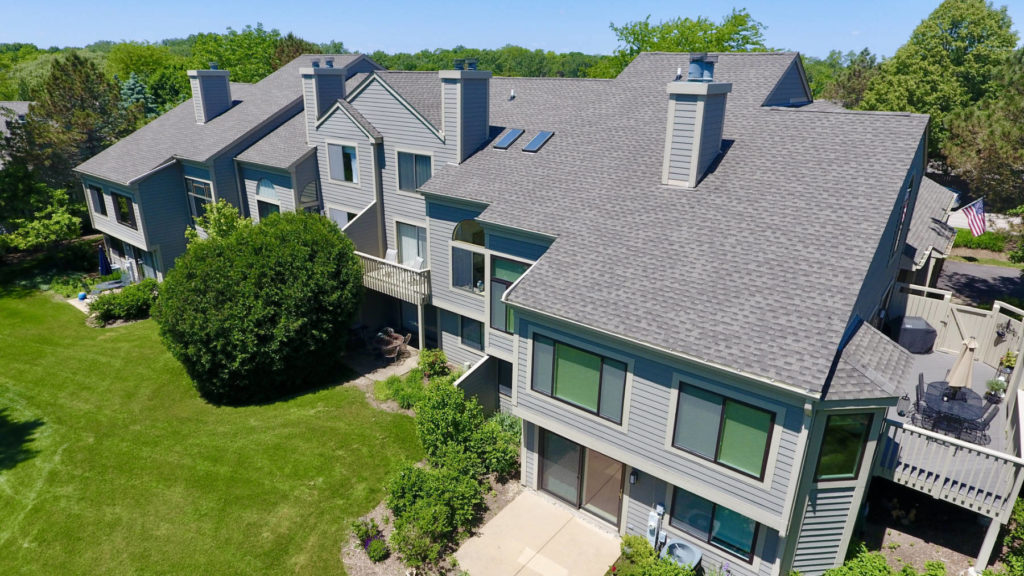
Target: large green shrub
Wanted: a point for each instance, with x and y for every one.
(434, 363)
(262, 310)
(1013, 541)
(994, 241)
(497, 443)
(132, 302)
(445, 416)
(640, 559)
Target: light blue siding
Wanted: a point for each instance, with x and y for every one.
(790, 90)
(166, 214)
(194, 171)
(109, 224)
(442, 219)
(683, 126)
(821, 534)
(352, 196)
(451, 342)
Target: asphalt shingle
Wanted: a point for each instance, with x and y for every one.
(281, 148)
(928, 229)
(871, 366)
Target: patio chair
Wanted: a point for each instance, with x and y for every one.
(403, 347)
(920, 405)
(391, 256)
(923, 420)
(391, 352)
(976, 436)
(986, 419)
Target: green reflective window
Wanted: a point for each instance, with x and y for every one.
(577, 376)
(842, 446)
(712, 523)
(744, 437)
(584, 379)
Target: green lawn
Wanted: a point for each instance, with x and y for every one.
(110, 463)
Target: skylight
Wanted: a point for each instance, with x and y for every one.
(539, 140)
(509, 138)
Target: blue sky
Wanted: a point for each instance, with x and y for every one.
(812, 27)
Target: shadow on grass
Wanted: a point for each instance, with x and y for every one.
(22, 274)
(15, 438)
(323, 377)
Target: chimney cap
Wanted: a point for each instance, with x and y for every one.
(459, 63)
(213, 66)
(703, 57)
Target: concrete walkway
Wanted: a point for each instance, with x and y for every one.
(534, 536)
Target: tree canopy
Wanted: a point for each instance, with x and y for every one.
(841, 78)
(947, 65)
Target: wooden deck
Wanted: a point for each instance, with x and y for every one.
(396, 280)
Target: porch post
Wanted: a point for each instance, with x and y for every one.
(988, 545)
(420, 325)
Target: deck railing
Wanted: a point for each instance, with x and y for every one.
(395, 280)
(970, 476)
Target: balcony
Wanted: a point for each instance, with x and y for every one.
(396, 280)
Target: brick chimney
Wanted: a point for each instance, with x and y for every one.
(465, 107)
(696, 115)
(211, 92)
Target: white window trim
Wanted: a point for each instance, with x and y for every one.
(189, 195)
(418, 152)
(426, 234)
(778, 427)
(704, 546)
(331, 205)
(451, 277)
(586, 346)
(355, 146)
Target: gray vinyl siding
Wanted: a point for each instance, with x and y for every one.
(641, 499)
(361, 65)
(683, 126)
(504, 403)
(790, 90)
(403, 131)
(642, 444)
(195, 171)
(529, 455)
(821, 534)
(108, 224)
(211, 96)
(482, 385)
(711, 132)
(441, 222)
(475, 128)
(331, 88)
(516, 245)
(306, 171)
(451, 342)
(282, 182)
(499, 343)
(450, 114)
(339, 128)
(166, 212)
(363, 231)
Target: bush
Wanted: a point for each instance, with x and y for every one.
(640, 559)
(991, 240)
(454, 498)
(413, 539)
(378, 550)
(434, 363)
(365, 530)
(133, 302)
(262, 310)
(69, 285)
(1013, 541)
(457, 459)
(866, 563)
(497, 442)
(445, 416)
(407, 391)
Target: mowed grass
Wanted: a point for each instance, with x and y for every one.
(110, 463)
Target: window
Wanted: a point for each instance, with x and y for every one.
(585, 380)
(125, 210)
(199, 195)
(413, 171)
(266, 199)
(467, 270)
(903, 218)
(266, 209)
(503, 376)
(723, 430)
(309, 199)
(99, 205)
(342, 162)
(472, 333)
(412, 244)
(503, 273)
(842, 446)
(265, 189)
(714, 524)
(339, 216)
(470, 232)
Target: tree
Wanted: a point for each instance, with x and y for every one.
(738, 32)
(141, 58)
(135, 94)
(945, 66)
(77, 114)
(169, 87)
(986, 142)
(33, 215)
(247, 54)
(851, 81)
(220, 220)
(290, 47)
(262, 311)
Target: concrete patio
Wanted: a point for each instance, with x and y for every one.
(536, 536)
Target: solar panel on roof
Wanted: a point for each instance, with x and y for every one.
(539, 140)
(509, 138)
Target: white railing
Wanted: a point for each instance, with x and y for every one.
(965, 474)
(395, 280)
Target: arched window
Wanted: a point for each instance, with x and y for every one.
(469, 231)
(265, 189)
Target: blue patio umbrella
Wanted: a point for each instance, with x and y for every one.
(104, 263)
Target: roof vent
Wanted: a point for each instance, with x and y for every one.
(679, 74)
(316, 62)
(702, 67)
(470, 63)
(512, 94)
(329, 62)
(459, 63)
(213, 66)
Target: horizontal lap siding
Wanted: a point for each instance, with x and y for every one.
(682, 137)
(282, 182)
(648, 425)
(402, 131)
(790, 89)
(352, 197)
(451, 343)
(363, 231)
(711, 132)
(442, 219)
(825, 519)
(306, 171)
(475, 127)
(515, 245)
(109, 224)
(193, 171)
(530, 457)
(499, 343)
(166, 211)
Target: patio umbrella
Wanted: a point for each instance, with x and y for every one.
(104, 262)
(963, 369)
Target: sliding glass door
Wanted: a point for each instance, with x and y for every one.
(560, 467)
(582, 477)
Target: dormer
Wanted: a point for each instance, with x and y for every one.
(696, 115)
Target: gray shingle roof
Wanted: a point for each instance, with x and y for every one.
(281, 148)
(928, 228)
(422, 90)
(360, 119)
(756, 269)
(176, 134)
(871, 366)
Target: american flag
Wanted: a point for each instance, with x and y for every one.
(975, 213)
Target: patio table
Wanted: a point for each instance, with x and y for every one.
(968, 405)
